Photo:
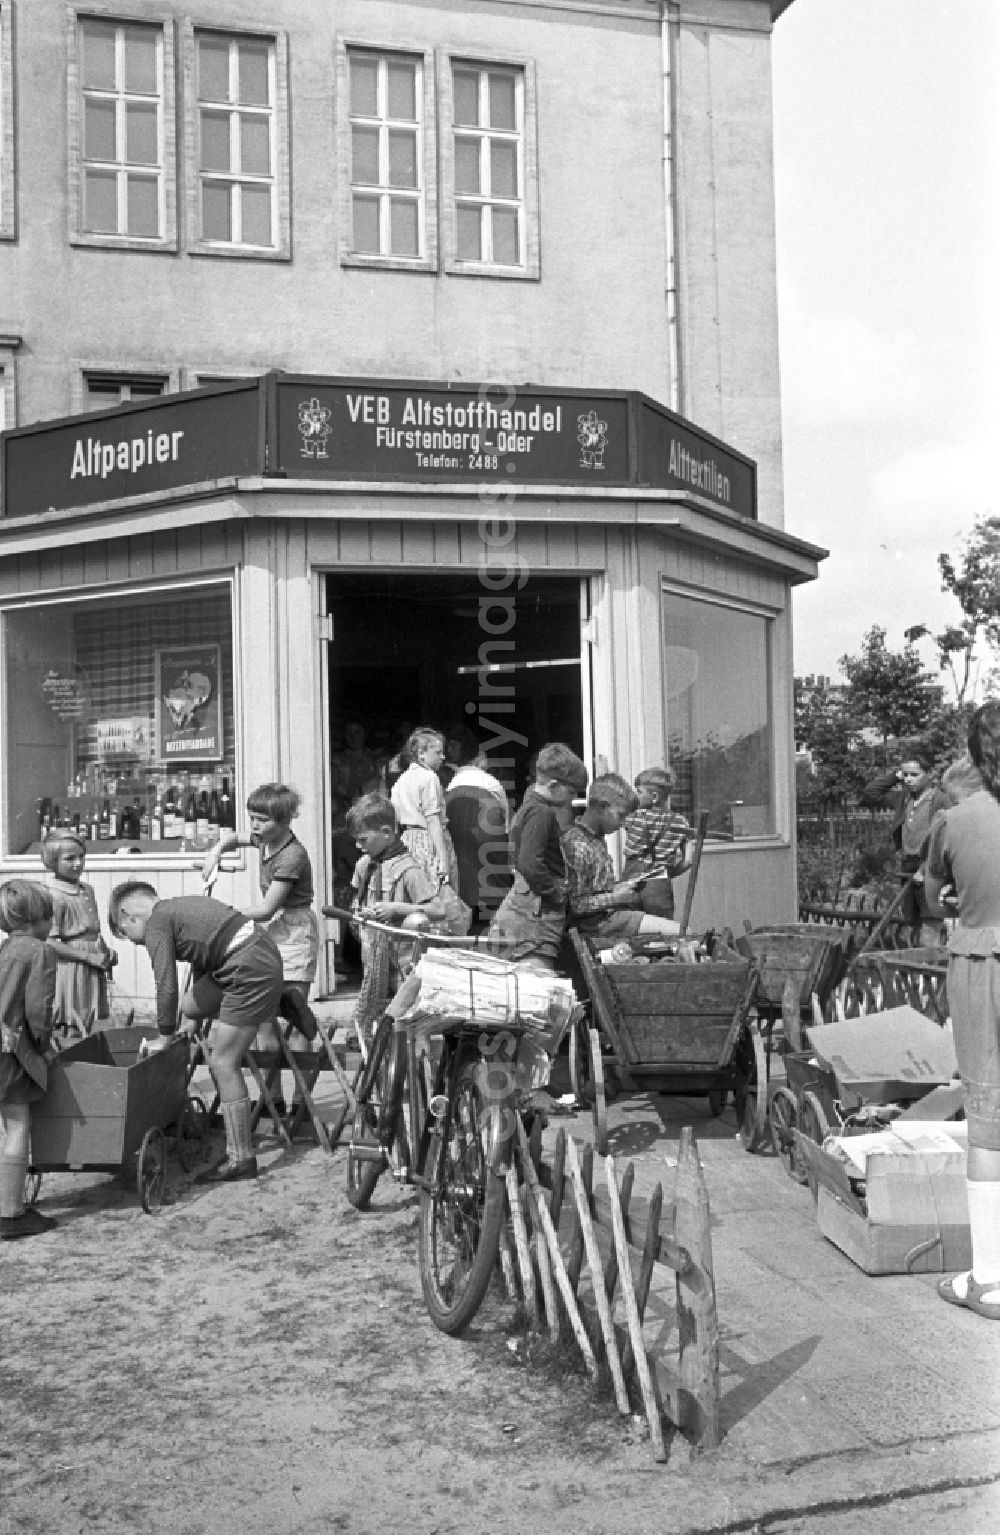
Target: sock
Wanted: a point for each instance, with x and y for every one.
(984, 1219)
(13, 1171)
(236, 1118)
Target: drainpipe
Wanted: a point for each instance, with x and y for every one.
(667, 20)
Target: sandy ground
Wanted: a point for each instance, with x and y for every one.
(258, 1358)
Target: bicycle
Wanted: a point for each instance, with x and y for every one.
(467, 1082)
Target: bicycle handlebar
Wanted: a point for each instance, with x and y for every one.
(422, 935)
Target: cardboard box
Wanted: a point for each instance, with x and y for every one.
(900, 1205)
(884, 1057)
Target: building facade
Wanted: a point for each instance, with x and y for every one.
(411, 218)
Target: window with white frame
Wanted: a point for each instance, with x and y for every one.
(238, 194)
(102, 391)
(720, 724)
(7, 202)
(388, 213)
(490, 163)
(122, 141)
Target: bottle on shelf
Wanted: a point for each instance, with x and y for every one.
(104, 825)
(201, 823)
(227, 809)
(170, 813)
(44, 818)
(94, 824)
(214, 814)
(156, 826)
(190, 824)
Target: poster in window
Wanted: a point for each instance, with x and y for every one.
(189, 703)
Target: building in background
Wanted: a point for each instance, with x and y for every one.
(403, 218)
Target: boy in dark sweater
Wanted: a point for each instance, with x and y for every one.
(532, 916)
(236, 979)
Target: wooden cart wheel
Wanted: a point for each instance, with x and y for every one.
(151, 1170)
(192, 1131)
(599, 1107)
(753, 1115)
(581, 1078)
(782, 1114)
(32, 1183)
(814, 1124)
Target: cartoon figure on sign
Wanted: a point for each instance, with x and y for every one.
(592, 435)
(189, 694)
(314, 428)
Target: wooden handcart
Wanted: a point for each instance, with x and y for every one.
(105, 1109)
(669, 1026)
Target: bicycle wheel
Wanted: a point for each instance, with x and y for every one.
(461, 1206)
(375, 1119)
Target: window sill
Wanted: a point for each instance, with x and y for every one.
(240, 252)
(124, 243)
(388, 263)
(456, 268)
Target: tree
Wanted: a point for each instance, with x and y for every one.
(888, 689)
(975, 585)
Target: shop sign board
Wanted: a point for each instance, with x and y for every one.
(159, 445)
(336, 429)
(679, 456)
(188, 703)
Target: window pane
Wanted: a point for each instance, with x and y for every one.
(503, 168)
(364, 156)
(505, 236)
(402, 91)
(72, 668)
(402, 159)
(254, 86)
(216, 213)
(140, 60)
(143, 206)
(141, 147)
(364, 88)
(466, 98)
(365, 226)
(100, 203)
(718, 713)
(470, 245)
(215, 142)
(256, 210)
(502, 106)
(98, 55)
(99, 130)
(255, 146)
(213, 69)
(467, 165)
(403, 221)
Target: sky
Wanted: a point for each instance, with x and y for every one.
(887, 171)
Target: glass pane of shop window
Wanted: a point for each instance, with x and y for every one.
(364, 88)
(213, 69)
(503, 168)
(470, 239)
(403, 221)
(99, 130)
(98, 63)
(141, 136)
(100, 202)
(505, 246)
(253, 75)
(503, 106)
(140, 60)
(467, 98)
(255, 146)
(467, 165)
(365, 221)
(402, 158)
(364, 156)
(401, 81)
(215, 151)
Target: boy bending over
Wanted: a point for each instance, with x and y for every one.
(236, 978)
(604, 908)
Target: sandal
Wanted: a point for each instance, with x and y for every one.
(973, 1299)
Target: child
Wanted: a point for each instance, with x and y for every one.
(85, 960)
(655, 838)
(532, 916)
(286, 881)
(390, 886)
(605, 909)
(915, 799)
(27, 989)
(236, 980)
(418, 800)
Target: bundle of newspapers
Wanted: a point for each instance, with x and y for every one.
(495, 992)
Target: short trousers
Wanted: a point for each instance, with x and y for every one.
(612, 925)
(246, 988)
(526, 927)
(296, 933)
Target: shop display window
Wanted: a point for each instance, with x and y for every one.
(720, 731)
(119, 720)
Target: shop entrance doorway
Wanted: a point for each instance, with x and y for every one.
(498, 670)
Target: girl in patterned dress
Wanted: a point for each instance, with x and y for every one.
(85, 960)
(418, 800)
